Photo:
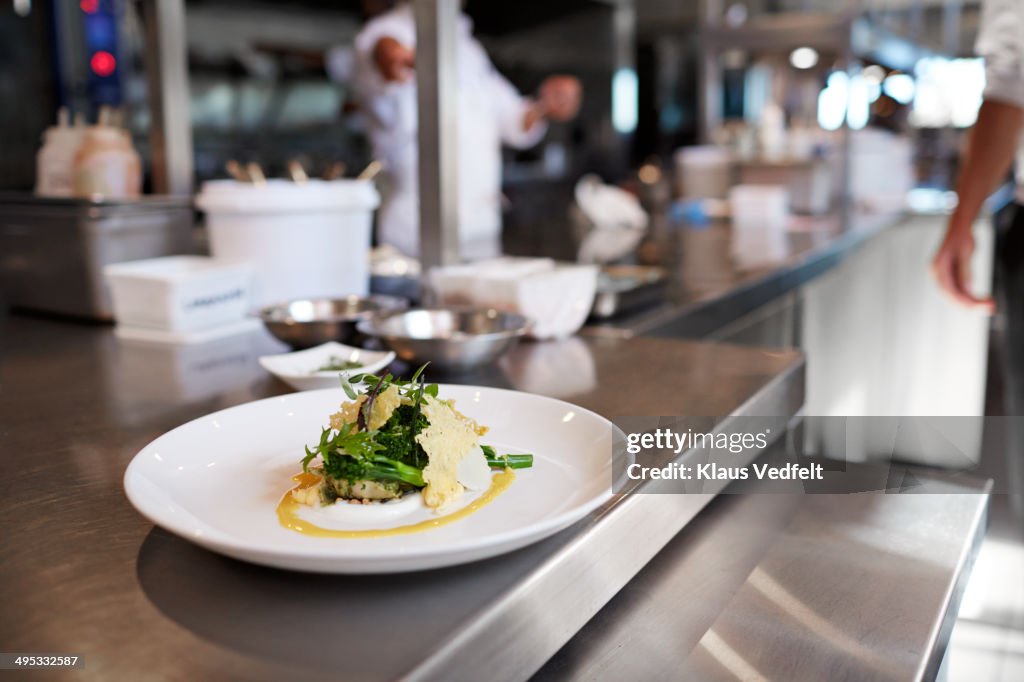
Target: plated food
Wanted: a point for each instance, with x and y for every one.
(392, 440)
(218, 481)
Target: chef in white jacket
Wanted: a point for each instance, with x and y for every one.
(490, 113)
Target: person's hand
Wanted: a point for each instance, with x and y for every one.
(951, 268)
(394, 60)
(559, 97)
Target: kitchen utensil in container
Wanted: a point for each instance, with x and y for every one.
(297, 172)
(371, 171)
(303, 239)
(255, 173)
(235, 170)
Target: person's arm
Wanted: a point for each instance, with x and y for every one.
(522, 121)
(990, 152)
(991, 146)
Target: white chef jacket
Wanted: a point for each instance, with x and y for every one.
(490, 113)
(1001, 43)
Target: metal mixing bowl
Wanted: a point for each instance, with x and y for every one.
(448, 338)
(309, 322)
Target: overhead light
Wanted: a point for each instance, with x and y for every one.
(103, 63)
(873, 73)
(900, 87)
(858, 109)
(832, 101)
(803, 57)
(625, 101)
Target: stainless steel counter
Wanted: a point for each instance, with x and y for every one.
(83, 573)
(707, 288)
(790, 587)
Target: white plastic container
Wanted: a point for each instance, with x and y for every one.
(56, 158)
(107, 165)
(179, 293)
(557, 297)
(303, 239)
(809, 182)
(760, 219)
(703, 172)
(612, 220)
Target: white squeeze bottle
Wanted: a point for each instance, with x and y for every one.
(56, 158)
(106, 164)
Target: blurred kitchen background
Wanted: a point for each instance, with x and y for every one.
(266, 81)
(858, 109)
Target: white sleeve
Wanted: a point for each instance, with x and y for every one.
(510, 107)
(1001, 43)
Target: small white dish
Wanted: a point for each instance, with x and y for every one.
(301, 369)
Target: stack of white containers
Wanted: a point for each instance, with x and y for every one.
(557, 297)
(180, 299)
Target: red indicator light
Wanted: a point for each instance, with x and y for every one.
(103, 63)
(89, 6)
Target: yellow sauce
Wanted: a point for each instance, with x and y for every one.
(288, 511)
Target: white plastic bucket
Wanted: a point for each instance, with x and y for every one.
(303, 239)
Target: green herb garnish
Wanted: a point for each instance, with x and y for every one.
(390, 452)
(336, 363)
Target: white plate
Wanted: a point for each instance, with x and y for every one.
(217, 481)
(299, 369)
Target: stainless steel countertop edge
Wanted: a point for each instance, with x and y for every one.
(939, 640)
(648, 522)
(803, 268)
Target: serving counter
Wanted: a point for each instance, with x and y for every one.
(649, 583)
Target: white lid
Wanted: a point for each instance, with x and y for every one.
(230, 196)
(175, 268)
